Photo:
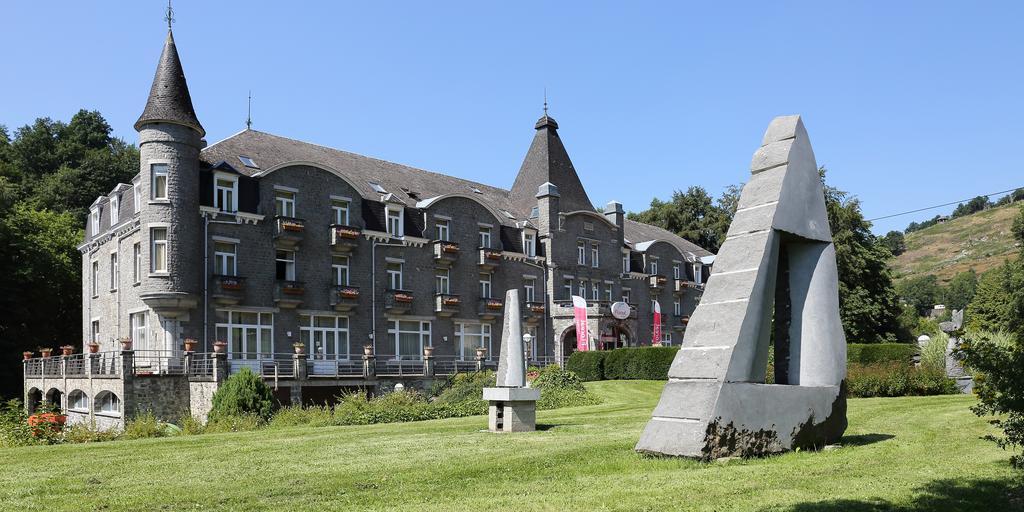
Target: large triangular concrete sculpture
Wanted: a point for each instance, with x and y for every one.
(512, 407)
(778, 260)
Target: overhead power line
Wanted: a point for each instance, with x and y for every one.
(941, 205)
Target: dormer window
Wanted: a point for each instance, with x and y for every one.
(377, 188)
(625, 262)
(158, 184)
(675, 271)
(529, 243)
(697, 274)
(395, 218)
(136, 197)
(115, 203)
(654, 266)
(248, 162)
(94, 219)
(225, 193)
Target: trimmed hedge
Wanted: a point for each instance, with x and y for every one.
(647, 363)
(871, 353)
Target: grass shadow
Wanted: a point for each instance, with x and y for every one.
(947, 495)
(864, 439)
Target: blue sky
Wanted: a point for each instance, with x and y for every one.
(908, 104)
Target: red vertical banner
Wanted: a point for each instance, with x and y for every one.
(656, 330)
(579, 310)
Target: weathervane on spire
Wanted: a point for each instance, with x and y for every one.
(248, 119)
(545, 102)
(169, 16)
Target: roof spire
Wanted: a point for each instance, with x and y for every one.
(169, 100)
(169, 15)
(545, 101)
(248, 120)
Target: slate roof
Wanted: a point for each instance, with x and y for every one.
(169, 100)
(269, 151)
(548, 161)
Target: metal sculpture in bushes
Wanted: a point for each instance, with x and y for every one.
(778, 259)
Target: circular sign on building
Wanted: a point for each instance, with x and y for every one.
(620, 310)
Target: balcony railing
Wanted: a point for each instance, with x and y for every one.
(491, 308)
(344, 298)
(289, 294)
(657, 281)
(445, 252)
(227, 290)
(681, 285)
(398, 301)
(334, 365)
(288, 231)
(490, 259)
(446, 304)
(344, 238)
(533, 311)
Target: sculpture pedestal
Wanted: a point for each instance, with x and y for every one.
(512, 409)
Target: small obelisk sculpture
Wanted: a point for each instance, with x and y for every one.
(512, 405)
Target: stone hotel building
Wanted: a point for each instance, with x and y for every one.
(261, 242)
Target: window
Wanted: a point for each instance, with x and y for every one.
(626, 296)
(567, 286)
(326, 336)
(581, 253)
(248, 162)
(666, 337)
(224, 259)
(94, 220)
(339, 267)
(485, 237)
(588, 226)
(395, 275)
(675, 271)
(136, 197)
(530, 243)
(285, 265)
(225, 194)
(340, 209)
(409, 338)
(137, 323)
(394, 221)
(158, 183)
(248, 335)
(608, 291)
(108, 403)
(158, 249)
(529, 285)
(595, 290)
(625, 263)
(698, 276)
(441, 281)
(137, 262)
(95, 278)
(654, 266)
(594, 251)
(377, 188)
(472, 337)
(441, 228)
(582, 289)
(485, 286)
(284, 203)
(115, 206)
(77, 401)
(95, 337)
(677, 309)
(114, 272)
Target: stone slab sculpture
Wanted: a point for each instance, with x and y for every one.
(512, 406)
(777, 263)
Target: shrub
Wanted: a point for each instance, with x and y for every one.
(933, 354)
(587, 365)
(896, 379)
(562, 388)
(190, 425)
(233, 423)
(999, 384)
(243, 394)
(14, 429)
(869, 353)
(315, 416)
(82, 433)
(144, 425)
(466, 386)
(647, 363)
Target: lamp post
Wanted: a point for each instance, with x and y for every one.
(527, 339)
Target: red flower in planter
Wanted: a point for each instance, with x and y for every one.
(46, 422)
(349, 293)
(349, 233)
(403, 297)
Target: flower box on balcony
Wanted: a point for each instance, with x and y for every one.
(348, 293)
(348, 232)
(449, 247)
(230, 283)
(492, 255)
(494, 304)
(451, 301)
(403, 297)
(537, 308)
(291, 225)
(293, 289)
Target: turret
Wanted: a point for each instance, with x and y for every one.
(170, 138)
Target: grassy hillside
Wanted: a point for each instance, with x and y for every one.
(979, 241)
(905, 454)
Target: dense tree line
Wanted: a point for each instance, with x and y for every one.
(50, 172)
(868, 303)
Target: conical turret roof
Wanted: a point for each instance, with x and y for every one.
(547, 161)
(169, 100)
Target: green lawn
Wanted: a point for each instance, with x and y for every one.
(899, 454)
